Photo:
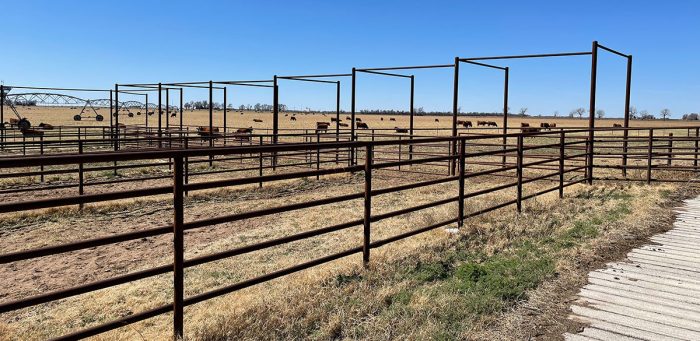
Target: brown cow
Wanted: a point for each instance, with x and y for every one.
(45, 126)
(357, 119)
(401, 130)
(617, 125)
(322, 123)
(205, 131)
(481, 123)
(491, 124)
(257, 120)
(348, 118)
(333, 119)
(530, 130)
(293, 118)
(321, 126)
(467, 124)
(437, 120)
(392, 119)
(524, 124)
(240, 130)
(362, 125)
(32, 133)
(343, 124)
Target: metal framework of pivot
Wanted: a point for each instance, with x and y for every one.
(312, 78)
(382, 71)
(591, 114)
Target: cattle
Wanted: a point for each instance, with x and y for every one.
(333, 119)
(321, 126)
(401, 130)
(205, 131)
(293, 118)
(357, 119)
(257, 120)
(362, 125)
(547, 126)
(530, 130)
(437, 120)
(617, 125)
(381, 118)
(343, 124)
(32, 133)
(14, 121)
(131, 114)
(241, 130)
(392, 119)
(150, 113)
(285, 115)
(121, 125)
(524, 124)
(173, 114)
(45, 126)
(322, 123)
(487, 123)
(467, 124)
(348, 118)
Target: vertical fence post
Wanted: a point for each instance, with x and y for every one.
(187, 165)
(649, 151)
(178, 249)
(462, 172)
(697, 136)
(260, 160)
(41, 152)
(562, 139)
(670, 149)
(81, 178)
(399, 152)
(318, 154)
(520, 174)
(368, 204)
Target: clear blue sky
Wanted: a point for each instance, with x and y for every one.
(99, 43)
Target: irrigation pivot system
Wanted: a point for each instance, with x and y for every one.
(556, 158)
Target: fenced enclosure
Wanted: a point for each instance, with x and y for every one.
(512, 163)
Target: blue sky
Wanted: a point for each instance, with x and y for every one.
(99, 43)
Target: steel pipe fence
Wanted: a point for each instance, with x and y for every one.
(558, 158)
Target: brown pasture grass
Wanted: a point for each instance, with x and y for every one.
(296, 306)
(64, 116)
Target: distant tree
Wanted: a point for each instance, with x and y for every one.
(577, 112)
(522, 111)
(633, 112)
(556, 113)
(665, 113)
(645, 115)
(600, 113)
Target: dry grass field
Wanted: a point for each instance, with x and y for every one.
(468, 284)
(235, 119)
(414, 289)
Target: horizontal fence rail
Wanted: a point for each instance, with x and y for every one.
(556, 158)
